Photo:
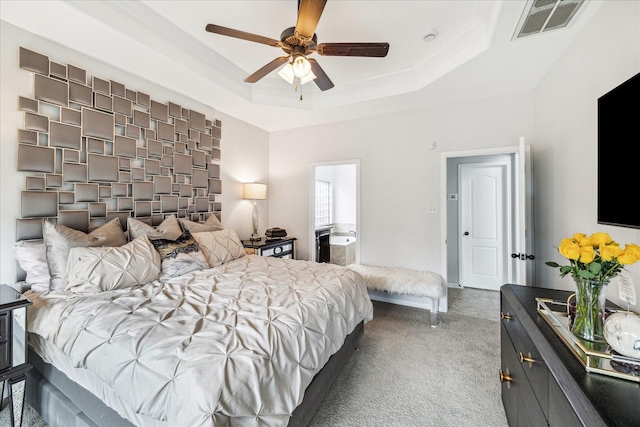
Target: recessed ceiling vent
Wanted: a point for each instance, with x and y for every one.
(546, 15)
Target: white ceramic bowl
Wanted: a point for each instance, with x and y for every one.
(622, 332)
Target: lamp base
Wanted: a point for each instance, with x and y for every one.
(255, 237)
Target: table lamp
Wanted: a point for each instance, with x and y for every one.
(255, 191)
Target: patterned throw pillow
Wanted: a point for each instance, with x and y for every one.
(220, 247)
(179, 256)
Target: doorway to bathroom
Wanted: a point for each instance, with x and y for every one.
(334, 212)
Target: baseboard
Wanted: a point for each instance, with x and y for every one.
(407, 300)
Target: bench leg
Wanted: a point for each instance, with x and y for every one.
(433, 317)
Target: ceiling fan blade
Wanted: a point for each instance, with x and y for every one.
(322, 80)
(376, 50)
(217, 29)
(309, 12)
(266, 69)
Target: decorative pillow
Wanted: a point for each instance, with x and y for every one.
(33, 260)
(168, 229)
(220, 247)
(60, 239)
(179, 256)
(93, 270)
(211, 224)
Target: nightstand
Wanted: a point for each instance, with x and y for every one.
(13, 349)
(279, 248)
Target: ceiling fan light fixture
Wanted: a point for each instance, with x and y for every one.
(298, 42)
(301, 66)
(289, 76)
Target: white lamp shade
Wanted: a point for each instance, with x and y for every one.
(255, 191)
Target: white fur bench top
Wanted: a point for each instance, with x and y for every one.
(402, 280)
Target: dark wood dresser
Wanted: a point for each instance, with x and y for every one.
(543, 384)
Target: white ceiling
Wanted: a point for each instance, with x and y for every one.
(165, 41)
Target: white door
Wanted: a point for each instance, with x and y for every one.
(523, 266)
(484, 224)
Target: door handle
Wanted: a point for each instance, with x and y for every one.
(466, 233)
(523, 257)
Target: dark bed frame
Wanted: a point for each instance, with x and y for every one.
(63, 403)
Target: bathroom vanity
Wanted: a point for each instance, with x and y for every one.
(323, 250)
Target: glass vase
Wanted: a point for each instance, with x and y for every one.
(588, 323)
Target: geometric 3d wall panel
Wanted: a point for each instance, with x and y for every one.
(95, 149)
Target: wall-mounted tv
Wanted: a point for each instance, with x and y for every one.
(619, 155)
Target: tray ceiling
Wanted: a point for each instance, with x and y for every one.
(473, 54)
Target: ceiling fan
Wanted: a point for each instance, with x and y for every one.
(300, 41)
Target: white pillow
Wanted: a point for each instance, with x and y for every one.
(33, 260)
(211, 224)
(60, 239)
(220, 247)
(93, 270)
(167, 229)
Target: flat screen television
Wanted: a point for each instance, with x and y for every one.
(619, 155)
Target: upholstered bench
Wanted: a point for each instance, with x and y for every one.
(405, 281)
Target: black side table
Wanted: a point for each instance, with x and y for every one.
(279, 248)
(13, 349)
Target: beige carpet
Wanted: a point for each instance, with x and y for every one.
(409, 374)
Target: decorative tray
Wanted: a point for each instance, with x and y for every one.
(596, 357)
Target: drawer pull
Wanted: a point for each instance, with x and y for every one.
(526, 358)
(505, 377)
(505, 316)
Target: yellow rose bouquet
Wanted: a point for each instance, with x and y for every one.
(597, 257)
(593, 262)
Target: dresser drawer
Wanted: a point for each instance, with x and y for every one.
(561, 414)
(278, 250)
(520, 402)
(526, 352)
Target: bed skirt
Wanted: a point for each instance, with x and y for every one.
(63, 403)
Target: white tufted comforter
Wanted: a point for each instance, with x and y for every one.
(233, 345)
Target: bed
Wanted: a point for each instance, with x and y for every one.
(244, 341)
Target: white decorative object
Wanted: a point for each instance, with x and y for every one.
(622, 332)
(626, 289)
